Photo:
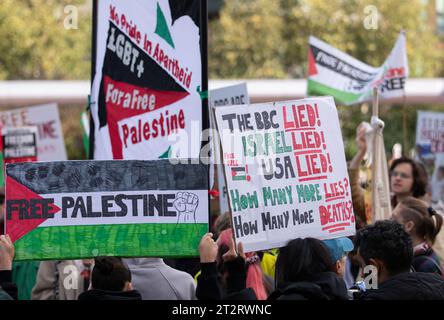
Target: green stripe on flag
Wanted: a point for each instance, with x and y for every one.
(316, 88)
(122, 240)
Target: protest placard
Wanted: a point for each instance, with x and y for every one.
(430, 149)
(286, 172)
(81, 209)
(226, 96)
(19, 144)
(50, 143)
(149, 71)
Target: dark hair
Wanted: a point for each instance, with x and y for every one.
(302, 259)
(387, 241)
(110, 273)
(427, 221)
(420, 180)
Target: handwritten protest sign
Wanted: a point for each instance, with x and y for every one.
(50, 143)
(148, 70)
(286, 172)
(80, 209)
(430, 149)
(19, 144)
(226, 96)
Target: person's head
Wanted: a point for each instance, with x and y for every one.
(302, 260)
(419, 220)
(407, 178)
(339, 248)
(254, 270)
(110, 274)
(222, 223)
(385, 245)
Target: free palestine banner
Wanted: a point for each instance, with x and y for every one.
(286, 172)
(80, 209)
(348, 80)
(148, 71)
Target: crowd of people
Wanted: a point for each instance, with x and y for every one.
(398, 258)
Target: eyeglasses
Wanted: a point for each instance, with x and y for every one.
(400, 174)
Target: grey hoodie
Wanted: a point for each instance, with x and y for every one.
(155, 280)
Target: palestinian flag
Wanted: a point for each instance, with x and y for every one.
(81, 209)
(335, 73)
(240, 173)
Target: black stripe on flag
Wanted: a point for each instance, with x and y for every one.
(153, 76)
(108, 175)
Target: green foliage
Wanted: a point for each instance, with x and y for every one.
(246, 41)
(36, 45)
(260, 38)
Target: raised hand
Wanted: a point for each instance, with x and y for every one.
(6, 253)
(208, 249)
(231, 254)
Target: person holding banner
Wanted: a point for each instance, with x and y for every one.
(8, 289)
(407, 178)
(210, 284)
(423, 224)
(353, 173)
(255, 275)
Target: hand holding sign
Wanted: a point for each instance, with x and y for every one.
(208, 249)
(6, 253)
(231, 254)
(186, 204)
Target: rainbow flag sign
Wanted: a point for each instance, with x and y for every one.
(81, 209)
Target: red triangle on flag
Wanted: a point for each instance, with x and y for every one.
(312, 70)
(116, 112)
(15, 227)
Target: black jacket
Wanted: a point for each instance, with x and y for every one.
(408, 286)
(209, 282)
(7, 285)
(325, 286)
(94, 294)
